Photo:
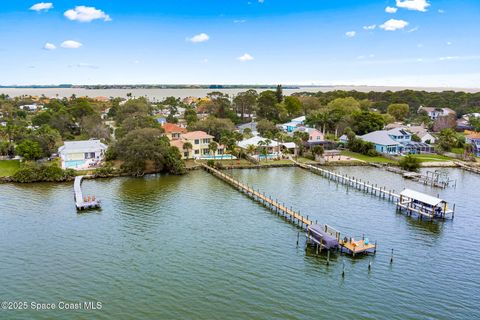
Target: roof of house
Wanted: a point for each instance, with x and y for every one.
(305, 129)
(299, 119)
(379, 137)
(398, 132)
(431, 109)
(474, 135)
(254, 141)
(177, 143)
(422, 197)
(173, 128)
(250, 125)
(82, 146)
(196, 135)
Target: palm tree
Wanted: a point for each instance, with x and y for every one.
(318, 151)
(251, 149)
(224, 141)
(187, 146)
(213, 146)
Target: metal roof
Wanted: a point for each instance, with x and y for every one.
(379, 137)
(422, 197)
(82, 146)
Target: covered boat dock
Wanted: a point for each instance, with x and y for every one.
(424, 205)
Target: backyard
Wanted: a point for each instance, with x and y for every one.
(8, 167)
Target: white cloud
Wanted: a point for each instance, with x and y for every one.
(417, 5)
(42, 6)
(350, 34)
(245, 57)
(449, 43)
(86, 14)
(413, 29)
(391, 9)
(71, 44)
(394, 24)
(49, 46)
(441, 11)
(370, 27)
(240, 21)
(261, 1)
(201, 37)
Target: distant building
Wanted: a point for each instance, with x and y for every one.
(82, 155)
(293, 124)
(31, 107)
(172, 131)
(434, 113)
(474, 140)
(200, 142)
(396, 141)
(251, 125)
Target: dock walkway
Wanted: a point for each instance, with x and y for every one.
(290, 215)
(82, 202)
(467, 167)
(353, 182)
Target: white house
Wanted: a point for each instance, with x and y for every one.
(31, 107)
(82, 155)
(293, 124)
(434, 113)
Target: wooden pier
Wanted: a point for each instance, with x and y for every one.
(383, 193)
(290, 215)
(81, 202)
(365, 186)
(467, 167)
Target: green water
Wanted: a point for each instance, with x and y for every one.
(192, 247)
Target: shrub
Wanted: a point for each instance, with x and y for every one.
(104, 172)
(42, 173)
(409, 163)
(211, 163)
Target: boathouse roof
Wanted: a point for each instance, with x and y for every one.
(421, 197)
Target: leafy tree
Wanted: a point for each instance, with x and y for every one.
(187, 146)
(475, 123)
(309, 104)
(318, 150)
(366, 121)
(212, 147)
(267, 106)
(214, 126)
(29, 150)
(136, 121)
(293, 106)
(409, 163)
(266, 128)
(245, 102)
(190, 116)
(132, 107)
(42, 118)
(399, 111)
(279, 93)
(147, 147)
(416, 138)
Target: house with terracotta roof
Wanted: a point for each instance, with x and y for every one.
(474, 139)
(200, 142)
(173, 131)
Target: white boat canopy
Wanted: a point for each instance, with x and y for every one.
(421, 197)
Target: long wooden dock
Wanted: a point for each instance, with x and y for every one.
(365, 186)
(467, 167)
(290, 215)
(294, 216)
(81, 202)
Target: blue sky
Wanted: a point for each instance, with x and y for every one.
(417, 43)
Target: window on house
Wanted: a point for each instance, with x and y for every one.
(197, 151)
(206, 151)
(197, 141)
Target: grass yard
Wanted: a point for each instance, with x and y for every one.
(8, 167)
(432, 158)
(378, 159)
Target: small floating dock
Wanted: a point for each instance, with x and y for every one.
(83, 202)
(412, 201)
(324, 236)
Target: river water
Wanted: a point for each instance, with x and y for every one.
(191, 247)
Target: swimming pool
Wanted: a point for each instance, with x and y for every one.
(224, 157)
(74, 163)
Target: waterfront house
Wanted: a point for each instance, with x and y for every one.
(421, 131)
(31, 107)
(251, 125)
(173, 131)
(81, 155)
(434, 113)
(293, 124)
(396, 141)
(314, 136)
(474, 139)
(200, 142)
(273, 147)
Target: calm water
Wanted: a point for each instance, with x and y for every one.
(192, 247)
(159, 94)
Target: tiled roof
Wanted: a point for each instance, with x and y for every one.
(196, 135)
(173, 128)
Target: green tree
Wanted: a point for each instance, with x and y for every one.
(213, 147)
(214, 126)
(279, 93)
(145, 149)
(29, 150)
(409, 163)
(318, 151)
(267, 106)
(399, 111)
(245, 102)
(447, 139)
(293, 106)
(187, 146)
(266, 128)
(366, 121)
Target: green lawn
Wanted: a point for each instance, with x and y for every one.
(457, 150)
(8, 167)
(378, 159)
(432, 158)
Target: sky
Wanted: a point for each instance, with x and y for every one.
(303, 42)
